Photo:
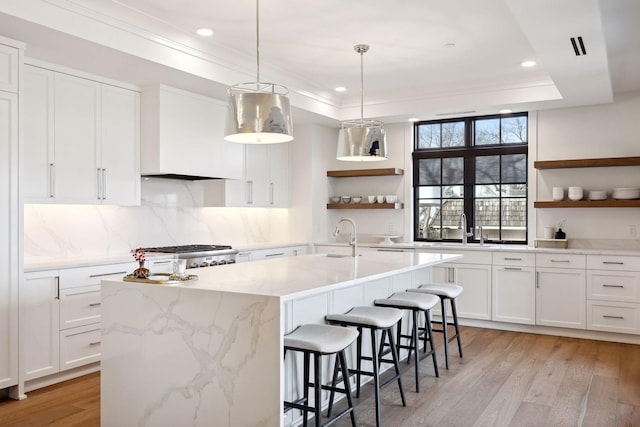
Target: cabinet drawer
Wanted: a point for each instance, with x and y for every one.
(160, 265)
(613, 262)
(79, 346)
(613, 317)
(86, 276)
(613, 286)
(514, 258)
(561, 261)
(79, 306)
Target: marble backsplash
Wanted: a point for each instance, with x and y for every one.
(171, 213)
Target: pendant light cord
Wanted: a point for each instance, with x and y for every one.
(362, 86)
(258, 43)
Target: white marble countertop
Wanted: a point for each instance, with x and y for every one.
(295, 277)
(456, 247)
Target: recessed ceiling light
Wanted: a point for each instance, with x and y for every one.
(505, 111)
(341, 89)
(413, 119)
(528, 64)
(206, 32)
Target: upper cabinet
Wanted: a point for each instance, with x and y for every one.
(265, 182)
(81, 140)
(588, 163)
(9, 59)
(183, 134)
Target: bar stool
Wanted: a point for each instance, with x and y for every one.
(317, 341)
(445, 292)
(375, 319)
(415, 302)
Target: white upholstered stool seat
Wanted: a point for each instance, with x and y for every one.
(325, 339)
(444, 290)
(409, 300)
(379, 317)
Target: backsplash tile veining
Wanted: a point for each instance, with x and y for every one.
(171, 213)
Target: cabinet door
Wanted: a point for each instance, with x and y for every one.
(79, 306)
(514, 297)
(257, 175)
(560, 297)
(279, 175)
(9, 58)
(8, 239)
(76, 136)
(119, 146)
(38, 159)
(39, 313)
(475, 300)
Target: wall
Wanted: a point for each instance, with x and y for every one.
(170, 214)
(608, 130)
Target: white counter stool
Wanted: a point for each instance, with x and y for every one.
(317, 341)
(445, 292)
(416, 303)
(375, 319)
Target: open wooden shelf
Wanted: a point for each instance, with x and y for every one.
(365, 172)
(364, 205)
(587, 163)
(589, 204)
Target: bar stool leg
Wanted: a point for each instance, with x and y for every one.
(414, 339)
(333, 385)
(376, 374)
(347, 386)
(306, 387)
(455, 323)
(429, 329)
(396, 366)
(443, 305)
(317, 374)
(358, 361)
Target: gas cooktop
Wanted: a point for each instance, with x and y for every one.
(185, 249)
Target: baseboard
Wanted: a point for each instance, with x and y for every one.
(60, 376)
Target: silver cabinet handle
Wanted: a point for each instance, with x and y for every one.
(99, 178)
(560, 260)
(513, 268)
(453, 274)
(95, 304)
(160, 262)
(52, 179)
(107, 274)
(94, 343)
(249, 192)
(612, 317)
(613, 286)
(271, 193)
(512, 259)
(613, 262)
(537, 283)
(389, 250)
(278, 254)
(104, 184)
(57, 287)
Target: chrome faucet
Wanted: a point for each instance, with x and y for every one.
(463, 225)
(353, 243)
(481, 235)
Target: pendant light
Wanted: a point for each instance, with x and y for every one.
(258, 112)
(362, 140)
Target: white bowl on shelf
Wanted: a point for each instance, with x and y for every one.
(597, 195)
(335, 199)
(626, 193)
(391, 198)
(356, 199)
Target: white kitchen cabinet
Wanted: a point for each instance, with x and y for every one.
(40, 317)
(560, 291)
(183, 134)
(60, 313)
(513, 290)
(613, 293)
(265, 182)
(81, 140)
(9, 66)
(473, 273)
(9, 230)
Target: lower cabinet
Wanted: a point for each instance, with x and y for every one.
(560, 290)
(60, 315)
(514, 291)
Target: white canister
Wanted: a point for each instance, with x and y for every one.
(557, 194)
(548, 232)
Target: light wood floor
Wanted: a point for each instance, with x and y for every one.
(504, 379)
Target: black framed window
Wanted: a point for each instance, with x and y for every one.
(476, 166)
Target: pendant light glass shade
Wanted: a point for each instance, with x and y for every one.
(362, 140)
(258, 113)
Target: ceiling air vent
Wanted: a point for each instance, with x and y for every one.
(578, 46)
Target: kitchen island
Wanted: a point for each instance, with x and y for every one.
(209, 352)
